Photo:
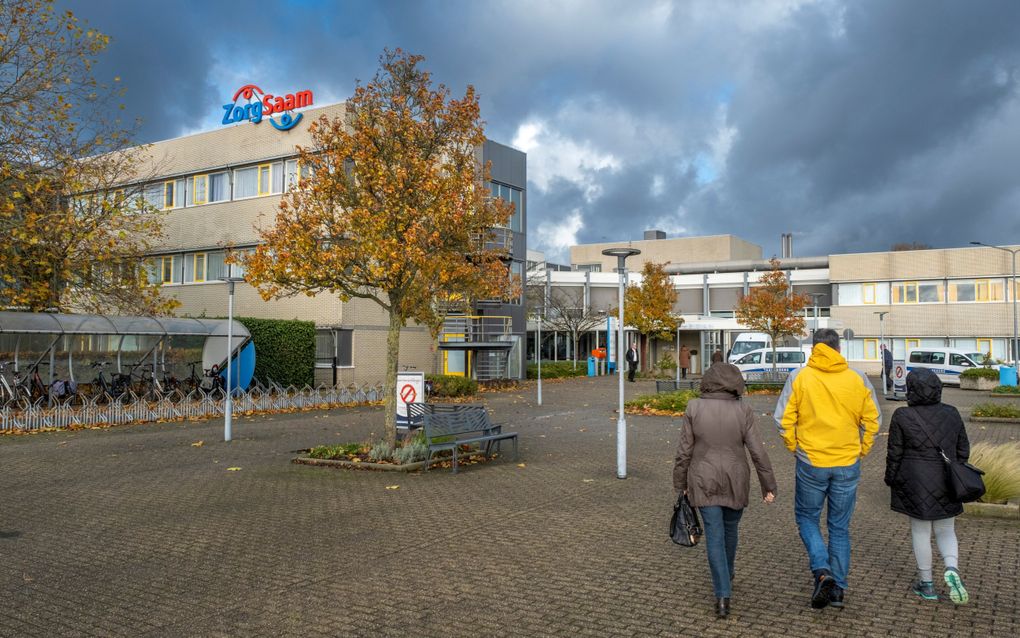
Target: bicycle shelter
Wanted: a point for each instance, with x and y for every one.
(69, 344)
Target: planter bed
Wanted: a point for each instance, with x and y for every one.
(992, 510)
(362, 465)
(993, 419)
(1003, 395)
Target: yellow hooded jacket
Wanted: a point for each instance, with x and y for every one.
(828, 414)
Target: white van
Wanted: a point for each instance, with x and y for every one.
(746, 342)
(788, 360)
(947, 363)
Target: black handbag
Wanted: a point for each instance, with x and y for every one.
(684, 526)
(965, 482)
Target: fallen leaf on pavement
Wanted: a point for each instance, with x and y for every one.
(393, 487)
(233, 469)
(521, 465)
(198, 444)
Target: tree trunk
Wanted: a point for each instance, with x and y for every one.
(575, 349)
(775, 357)
(390, 387)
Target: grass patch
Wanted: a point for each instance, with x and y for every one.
(1007, 389)
(558, 369)
(996, 411)
(667, 403)
(980, 373)
(407, 451)
(1001, 464)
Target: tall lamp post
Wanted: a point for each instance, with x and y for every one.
(228, 407)
(538, 352)
(1012, 252)
(881, 353)
(814, 302)
(621, 255)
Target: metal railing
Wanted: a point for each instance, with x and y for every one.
(130, 408)
(478, 327)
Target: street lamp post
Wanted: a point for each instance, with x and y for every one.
(228, 407)
(621, 255)
(538, 354)
(814, 301)
(881, 341)
(1012, 252)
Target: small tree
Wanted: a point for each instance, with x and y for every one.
(771, 308)
(649, 307)
(395, 209)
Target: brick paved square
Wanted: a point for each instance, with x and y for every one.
(132, 531)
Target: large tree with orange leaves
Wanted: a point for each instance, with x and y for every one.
(395, 209)
(649, 307)
(770, 307)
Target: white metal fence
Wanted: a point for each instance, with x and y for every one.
(130, 408)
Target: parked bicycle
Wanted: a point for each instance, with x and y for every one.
(112, 385)
(15, 388)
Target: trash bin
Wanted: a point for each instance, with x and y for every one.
(591, 366)
(1007, 376)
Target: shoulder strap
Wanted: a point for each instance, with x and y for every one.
(921, 424)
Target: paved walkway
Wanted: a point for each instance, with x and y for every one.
(134, 531)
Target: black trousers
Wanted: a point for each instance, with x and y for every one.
(633, 369)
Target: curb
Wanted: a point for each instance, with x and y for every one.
(384, 467)
(1003, 395)
(992, 510)
(993, 419)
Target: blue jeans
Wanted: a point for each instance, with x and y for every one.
(838, 486)
(720, 525)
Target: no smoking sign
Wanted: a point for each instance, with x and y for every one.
(408, 393)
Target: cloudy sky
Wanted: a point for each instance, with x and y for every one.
(853, 124)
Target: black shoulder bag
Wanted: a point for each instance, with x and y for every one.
(965, 483)
(684, 526)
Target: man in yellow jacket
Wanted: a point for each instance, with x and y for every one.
(828, 416)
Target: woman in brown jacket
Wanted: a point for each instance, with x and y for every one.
(711, 468)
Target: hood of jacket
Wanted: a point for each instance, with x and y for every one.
(923, 387)
(722, 379)
(826, 359)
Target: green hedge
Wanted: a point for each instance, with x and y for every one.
(980, 373)
(996, 410)
(284, 350)
(558, 369)
(1006, 389)
(444, 385)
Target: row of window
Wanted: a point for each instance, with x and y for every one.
(191, 268)
(514, 196)
(870, 349)
(334, 345)
(920, 292)
(222, 186)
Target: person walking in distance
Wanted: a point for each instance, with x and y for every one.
(711, 468)
(632, 361)
(828, 416)
(916, 474)
(887, 366)
(685, 360)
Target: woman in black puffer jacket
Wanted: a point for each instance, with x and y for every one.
(916, 472)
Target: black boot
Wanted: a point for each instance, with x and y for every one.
(722, 607)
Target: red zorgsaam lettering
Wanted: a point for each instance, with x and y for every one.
(267, 104)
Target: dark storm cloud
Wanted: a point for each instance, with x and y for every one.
(852, 124)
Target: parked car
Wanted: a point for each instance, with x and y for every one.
(788, 360)
(746, 342)
(947, 363)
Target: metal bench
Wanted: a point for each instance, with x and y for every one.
(768, 377)
(450, 430)
(673, 386)
(417, 411)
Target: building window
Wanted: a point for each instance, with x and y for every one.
(166, 269)
(265, 184)
(246, 182)
(871, 349)
(589, 268)
(912, 343)
(984, 346)
(199, 267)
(868, 293)
(904, 292)
(168, 195)
(513, 196)
(976, 290)
(290, 179)
(334, 342)
(199, 189)
(219, 187)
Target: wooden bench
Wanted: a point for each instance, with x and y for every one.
(776, 378)
(450, 430)
(673, 386)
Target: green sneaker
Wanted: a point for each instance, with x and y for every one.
(957, 592)
(925, 589)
